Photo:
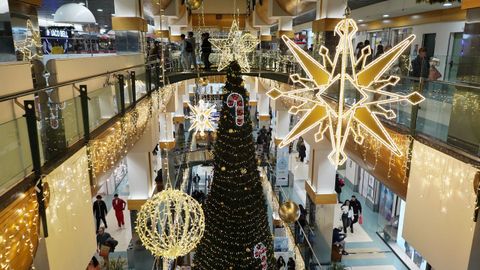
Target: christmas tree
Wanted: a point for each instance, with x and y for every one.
(237, 234)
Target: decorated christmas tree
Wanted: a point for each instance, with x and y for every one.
(237, 234)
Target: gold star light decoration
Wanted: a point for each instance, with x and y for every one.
(201, 117)
(359, 86)
(235, 47)
(32, 40)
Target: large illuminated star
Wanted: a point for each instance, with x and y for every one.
(32, 40)
(355, 79)
(201, 117)
(235, 47)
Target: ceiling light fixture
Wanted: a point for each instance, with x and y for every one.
(386, 15)
(447, 4)
(360, 20)
(73, 13)
(99, 10)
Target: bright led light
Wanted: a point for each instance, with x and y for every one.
(447, 4)
(360, 20)
(201, 117)
(99, 10)
(386, 15)
(340, 72)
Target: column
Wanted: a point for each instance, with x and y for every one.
(263, 105)
(179, 116)
(321, 196)
(127, 23)
(329, 12)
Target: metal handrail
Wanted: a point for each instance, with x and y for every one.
(66, 83)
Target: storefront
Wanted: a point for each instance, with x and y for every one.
(390, 208)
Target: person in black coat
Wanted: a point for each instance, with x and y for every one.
(206, 50)
(357, 211)
(302, 151)
(338, 187)
(100, 211)
(421, 65)
(291, 264)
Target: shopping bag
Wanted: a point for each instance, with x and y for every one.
(360, 220)
(104, 250)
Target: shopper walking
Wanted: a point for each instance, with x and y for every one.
(119, 205)
(185, 47)
(100, 211)
(357, 211)
(421, 65)
(347, 215)
(339, 183)
(191, 54)
(302, 151)
(379, 51)
(105, 245)
(196, 181)
(206, 50)
(280, 265)
(291, 264)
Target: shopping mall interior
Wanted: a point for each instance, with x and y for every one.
(239, 134)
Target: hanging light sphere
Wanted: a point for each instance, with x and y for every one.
(289, 212)
(193, 4)
(170, 224)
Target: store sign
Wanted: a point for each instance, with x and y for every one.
(61, 33)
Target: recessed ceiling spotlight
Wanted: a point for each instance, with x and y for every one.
(360, 20)
(105, 25)
(99, 10)
(447, 4)
(386, 15)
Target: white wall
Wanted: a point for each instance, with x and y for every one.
(440, 206)
(443, 31)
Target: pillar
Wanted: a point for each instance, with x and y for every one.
(321, 196)
(128, 19)
(179, 116)
(263, 108)
(329, 12)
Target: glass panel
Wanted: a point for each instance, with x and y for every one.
(14, 152)
(101, 106)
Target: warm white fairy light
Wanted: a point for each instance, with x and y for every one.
(32, 40)
(170, 224)
(341, 120)
(202, 117)
(235, 47)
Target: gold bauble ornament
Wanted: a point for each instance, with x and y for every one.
(289, 212)
(170, 224)
(223, 168)
(193, 4)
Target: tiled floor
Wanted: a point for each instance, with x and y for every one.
(367, 250)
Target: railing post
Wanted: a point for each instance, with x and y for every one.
(31, 118)
(148, 79)
(133, 88)
(121, 90)
(86, 128)
(85, 117)
(157, 76)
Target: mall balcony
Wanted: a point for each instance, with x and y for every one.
(90, 106)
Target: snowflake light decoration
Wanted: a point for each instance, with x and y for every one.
(235, 47)
(32, 40)
(343, 74)
(202, 117)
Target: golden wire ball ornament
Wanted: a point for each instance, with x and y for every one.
(289, 212)
(194, 4)
(170, 224)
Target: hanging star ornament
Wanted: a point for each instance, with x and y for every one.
(31, 42)
(235, 47)
(201, 116)
(358, 85)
